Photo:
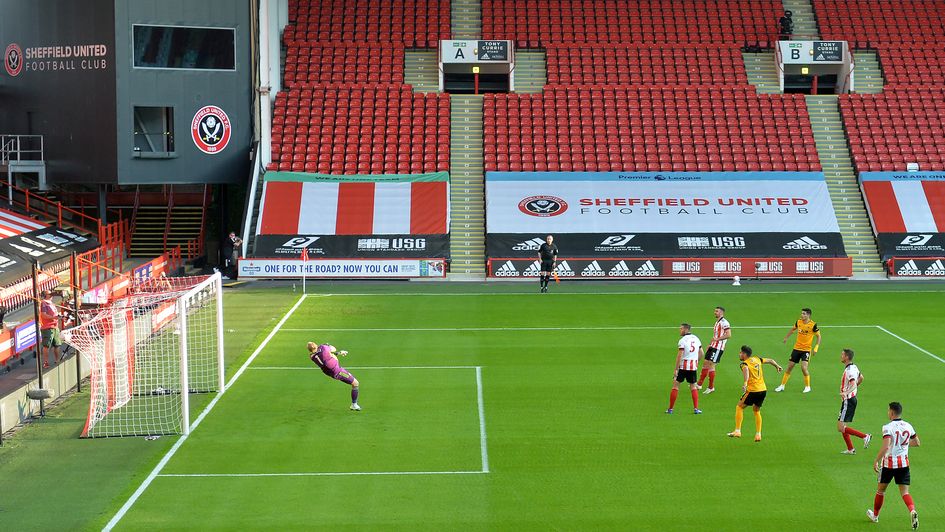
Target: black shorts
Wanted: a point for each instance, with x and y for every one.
(714, 355)
(847, 410)
(547, 265)
(688, 375)
(754, 398)
(799, 356)
(899, 474)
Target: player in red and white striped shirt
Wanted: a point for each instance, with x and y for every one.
(720, 335)
(849, 383)
(892, 462)
(688, 353)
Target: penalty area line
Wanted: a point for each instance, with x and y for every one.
(299, 368)
(317, 474)
(180, 441)
(907, 342)
(575, 328)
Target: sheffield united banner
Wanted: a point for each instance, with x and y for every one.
(907, 211)
(674, 214)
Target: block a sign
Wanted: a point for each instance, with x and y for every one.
(475, 51)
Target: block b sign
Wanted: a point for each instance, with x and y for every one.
(812, 52)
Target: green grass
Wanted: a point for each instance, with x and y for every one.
(574, 385)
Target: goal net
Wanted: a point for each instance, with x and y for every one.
(148, 352)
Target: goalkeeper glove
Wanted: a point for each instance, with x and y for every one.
(343, 353)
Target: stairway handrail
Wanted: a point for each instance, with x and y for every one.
(846, 79)
(8, 193)
(167, 222)
(251, 199)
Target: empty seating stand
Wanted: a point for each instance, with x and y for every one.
(641, 64)
(354, 129)
(535, 23)
(889, 130)
(412, 23)
(346, 109)
(648, 129)
(866, 22)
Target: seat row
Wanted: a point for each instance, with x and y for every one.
(904, 21)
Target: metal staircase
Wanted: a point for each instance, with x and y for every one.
(467, 194)
(844, 190)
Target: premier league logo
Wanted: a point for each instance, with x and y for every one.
(543, 206)
(210, 129)
(13, 59)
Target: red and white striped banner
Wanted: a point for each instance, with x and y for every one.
(906, 206)
(355, 208)
(12, 224)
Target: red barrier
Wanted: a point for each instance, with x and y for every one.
(678, 268)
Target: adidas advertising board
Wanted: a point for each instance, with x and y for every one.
(628, 245)
(353, 246)
(919, 267)
(689, 267)
(928, 244)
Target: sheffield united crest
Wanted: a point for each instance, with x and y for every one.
(210, 129)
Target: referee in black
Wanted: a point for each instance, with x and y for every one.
(548, 255)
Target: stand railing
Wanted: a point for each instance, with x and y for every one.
(35, 204)
(12, 148)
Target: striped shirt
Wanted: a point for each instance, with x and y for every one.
(848, 383)
(690, 346)
(720, 327)
(900, 434)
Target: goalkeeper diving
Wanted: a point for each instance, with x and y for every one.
(323, 355)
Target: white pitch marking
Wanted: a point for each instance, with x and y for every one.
(160, 466)
(360, 367)
(317, 474)
(482, 421)
(907, 342)
(655, 293)
(600, 328)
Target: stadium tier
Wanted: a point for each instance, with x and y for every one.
(653, 65)
(535, 23)
(644, 129)
(354, 63)
(414, 23)
(344, 129)
(864, 22)
(889, 130)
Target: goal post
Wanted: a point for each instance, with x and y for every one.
(148, 352)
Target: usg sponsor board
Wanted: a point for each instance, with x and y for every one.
(906, 267)
(339, 268)
(669, 268)
(808, 244)
(353, 246)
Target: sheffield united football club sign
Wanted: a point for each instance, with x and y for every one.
(13, 59)
(211, 130)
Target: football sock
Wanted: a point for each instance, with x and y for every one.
(541, 281)
(878, 503)
(695, 398)
(807, 381)
(758, 422)
(703, 375)
(849, 442)
(853, 432)
(712, 379)
(785, 378)
(909, 503)
(354, 395)
(739, 416)
(672, 398)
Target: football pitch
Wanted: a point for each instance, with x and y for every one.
(490, 407)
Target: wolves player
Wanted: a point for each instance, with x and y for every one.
(849, 383)
(754, 390)
(688, 353)
(806, 330)
(892, 462)
(720, 335)
(324, 357)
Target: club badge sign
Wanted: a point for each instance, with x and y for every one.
(13, 59)
(211, 129)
